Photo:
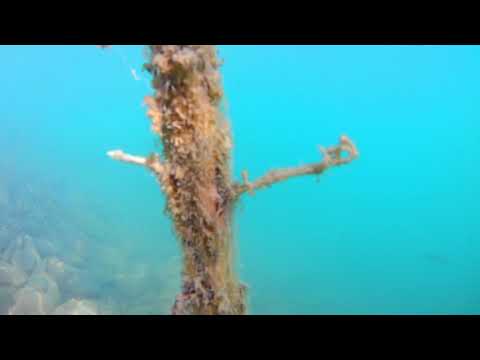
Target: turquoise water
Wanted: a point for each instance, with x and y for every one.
(392, 233)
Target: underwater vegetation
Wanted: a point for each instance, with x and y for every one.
(194, 172)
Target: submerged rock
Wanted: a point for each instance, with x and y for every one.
(130, 285)
(77, 307)
(76, 260)
(7, 299)
(82, 284)
(26, 256)
(29, 301)
(61, 272)
(41, 268)
(40, 296)
(11, 248)
(55, 268)
(5, 238)
(44, 247)
(44, 283)
(108, 306)
(11, 275)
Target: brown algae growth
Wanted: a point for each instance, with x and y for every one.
(195, 175)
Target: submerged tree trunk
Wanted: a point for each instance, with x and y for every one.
(197, 142)
(194, 173)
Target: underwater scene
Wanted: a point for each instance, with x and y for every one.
(232, 180)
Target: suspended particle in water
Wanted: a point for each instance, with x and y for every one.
(134, 74)
(126, 63)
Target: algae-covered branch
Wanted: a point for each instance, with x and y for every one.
(195, 175)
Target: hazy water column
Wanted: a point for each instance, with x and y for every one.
(394, 232)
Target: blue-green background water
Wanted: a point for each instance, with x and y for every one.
(393, 233)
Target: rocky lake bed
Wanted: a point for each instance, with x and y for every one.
(50, 266)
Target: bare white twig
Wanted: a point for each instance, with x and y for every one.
(153, 162)
(119, 155)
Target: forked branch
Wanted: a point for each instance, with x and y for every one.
(332, 157)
